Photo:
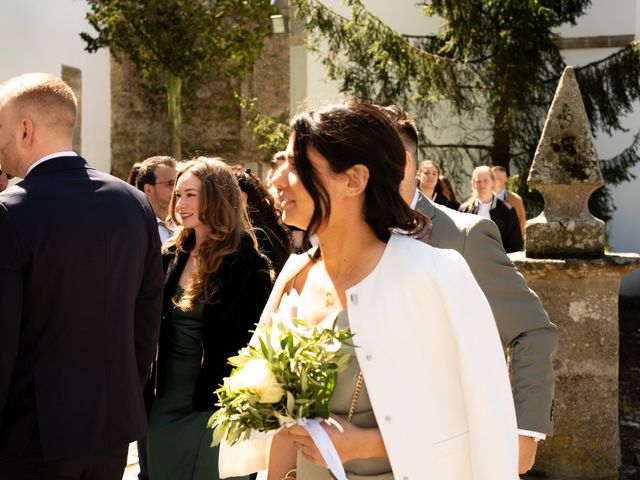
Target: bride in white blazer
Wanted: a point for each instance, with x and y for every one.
(427, 344)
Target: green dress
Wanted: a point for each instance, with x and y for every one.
(365, 469)
(178, 439)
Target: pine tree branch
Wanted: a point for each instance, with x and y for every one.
(618, 169)
(474, 146)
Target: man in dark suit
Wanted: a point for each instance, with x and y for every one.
(80, 296)
(523, 324)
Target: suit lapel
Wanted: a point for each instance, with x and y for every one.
(424, 206)
(427, 208)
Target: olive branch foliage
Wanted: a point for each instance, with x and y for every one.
(305, 366)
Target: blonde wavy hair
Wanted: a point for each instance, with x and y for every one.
(221, 209)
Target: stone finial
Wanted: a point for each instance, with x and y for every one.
(566, 172)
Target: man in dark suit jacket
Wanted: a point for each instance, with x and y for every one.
(523, 324)
(80, 296)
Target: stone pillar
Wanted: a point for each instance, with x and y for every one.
(564, 262)
(581, 297)
(565, 171)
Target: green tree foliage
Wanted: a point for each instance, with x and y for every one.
(173, 41)
(272, 134)
(493, 68)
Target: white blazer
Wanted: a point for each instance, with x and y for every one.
(433, 364)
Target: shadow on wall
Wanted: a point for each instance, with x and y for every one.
(630, 284)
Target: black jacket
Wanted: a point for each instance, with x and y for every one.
(506, 219)
(245, 285)
(80, 291)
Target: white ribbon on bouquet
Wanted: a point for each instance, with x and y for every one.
(252, 455)
(324, 444)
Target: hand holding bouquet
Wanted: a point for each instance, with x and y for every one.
(287, 375)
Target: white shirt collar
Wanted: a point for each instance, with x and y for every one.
(67, 153)
(492, 203)
(414, 202)
(484, 210)
(163, 230)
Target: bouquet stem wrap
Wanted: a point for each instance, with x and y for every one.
(328, 451)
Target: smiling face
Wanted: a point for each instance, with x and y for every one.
(188, 203)
(427, 177)
(482, 183)
(295, 201)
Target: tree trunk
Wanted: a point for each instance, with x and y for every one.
(500, 153)
(174, 104)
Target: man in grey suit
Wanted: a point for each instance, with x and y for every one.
(524, 326)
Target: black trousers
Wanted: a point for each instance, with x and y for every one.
(105, 465)
(142, 459)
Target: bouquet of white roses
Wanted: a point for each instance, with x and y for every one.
(283, 377)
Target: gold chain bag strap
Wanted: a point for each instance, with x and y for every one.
(356, 396)
(291, 474)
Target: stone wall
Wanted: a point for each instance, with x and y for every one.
(213, 123)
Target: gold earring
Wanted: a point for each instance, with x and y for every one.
(347, 191)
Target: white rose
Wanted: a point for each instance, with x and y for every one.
(257, 377)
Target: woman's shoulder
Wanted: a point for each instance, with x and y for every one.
(416, 253)
(502, 205)
(247, 255)
(168, 255)
(170, 250)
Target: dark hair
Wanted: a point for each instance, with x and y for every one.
(273, 236)
(280, 156)
(346, 135)
(147, 172)
(446, 184)
(133, 173)
(406, 128)
(403, 122)
(438, 188)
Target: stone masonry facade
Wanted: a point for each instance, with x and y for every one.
(212, 122)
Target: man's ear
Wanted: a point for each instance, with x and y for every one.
(358, 177)
(410, 170)
(25, 132)
(146, 188)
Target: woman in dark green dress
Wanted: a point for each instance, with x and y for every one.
(215, 288)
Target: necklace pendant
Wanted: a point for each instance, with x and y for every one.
(328, 299)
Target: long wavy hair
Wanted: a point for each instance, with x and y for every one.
(221, 209)
(346, 135)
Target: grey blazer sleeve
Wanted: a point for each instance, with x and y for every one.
(522, 322)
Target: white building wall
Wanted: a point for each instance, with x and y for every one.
(43, 35)
(620, 17)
